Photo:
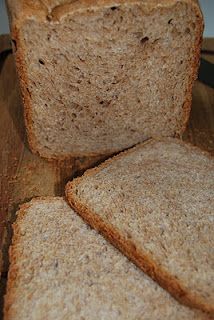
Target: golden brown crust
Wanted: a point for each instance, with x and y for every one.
(139, 257)
(195, 64)
(23, 80)
(21, 10)
(13, 271)
(104, 164)
(60, 11)
(41, 9)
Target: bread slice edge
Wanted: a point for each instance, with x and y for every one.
(13, 271)
(141, 259)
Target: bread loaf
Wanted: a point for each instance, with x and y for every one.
(98, 77)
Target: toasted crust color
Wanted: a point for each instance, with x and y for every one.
(55, 11)
(140, 257)
(23, 9)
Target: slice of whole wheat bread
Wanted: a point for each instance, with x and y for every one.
(62, 269)
(155, 203)
(98, 77)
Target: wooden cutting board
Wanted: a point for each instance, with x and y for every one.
(24, 175)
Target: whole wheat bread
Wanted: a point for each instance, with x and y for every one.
(98, 77)
(61, 269)
(155, 203)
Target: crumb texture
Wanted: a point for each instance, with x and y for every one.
(61, 269)
(161, 197)
(105, 77)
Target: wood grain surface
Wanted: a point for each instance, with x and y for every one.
(24, 175)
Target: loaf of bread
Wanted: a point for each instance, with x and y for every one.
(155, 203)
(61, 269)
(98, 77)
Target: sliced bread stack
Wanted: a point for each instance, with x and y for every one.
(98, 77)
(155, 203)
(62, 269)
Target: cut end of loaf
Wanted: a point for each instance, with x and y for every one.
(104, 77)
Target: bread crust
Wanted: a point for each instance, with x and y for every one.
(13, 271)
(23, 9)
(20, 11)
(142, 259)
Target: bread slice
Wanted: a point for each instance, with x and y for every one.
(98, 77)
(155, 203)
(62, 269)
